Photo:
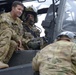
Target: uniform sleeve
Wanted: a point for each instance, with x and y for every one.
(73, 59)
(39, 58)
(4, 25)
(36, 30)
(14, 36)
(35, 63)
(74, 54)
(3, 22)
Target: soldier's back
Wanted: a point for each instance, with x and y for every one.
(56, 59)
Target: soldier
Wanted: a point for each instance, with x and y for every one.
(10, 33)
(58, 58)
(31, 31)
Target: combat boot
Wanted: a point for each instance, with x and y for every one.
(3, 65)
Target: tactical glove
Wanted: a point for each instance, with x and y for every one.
(35, 45)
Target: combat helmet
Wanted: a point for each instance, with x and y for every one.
(30, 10)
(69, 34)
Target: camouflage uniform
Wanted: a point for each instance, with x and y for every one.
(58, 58)
(30, 32)
(10, 34)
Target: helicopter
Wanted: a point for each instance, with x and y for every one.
(59, 16)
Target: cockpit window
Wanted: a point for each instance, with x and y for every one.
(69, 21)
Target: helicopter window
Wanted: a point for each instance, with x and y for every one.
(69, 21)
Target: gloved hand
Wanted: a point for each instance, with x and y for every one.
(34, 44)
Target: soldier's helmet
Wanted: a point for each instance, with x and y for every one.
(69, 34)
(30, 10)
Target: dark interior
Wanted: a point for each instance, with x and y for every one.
(5, 5)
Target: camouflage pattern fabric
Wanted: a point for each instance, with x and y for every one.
(31, 29)
(10, 34)
(30, 32)
(58, 58)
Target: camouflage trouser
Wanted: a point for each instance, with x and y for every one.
(7, 46)
(13, 47)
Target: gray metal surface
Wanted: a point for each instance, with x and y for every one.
(49, 24)
(20, 63)
(22, 57)
(18, 70)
